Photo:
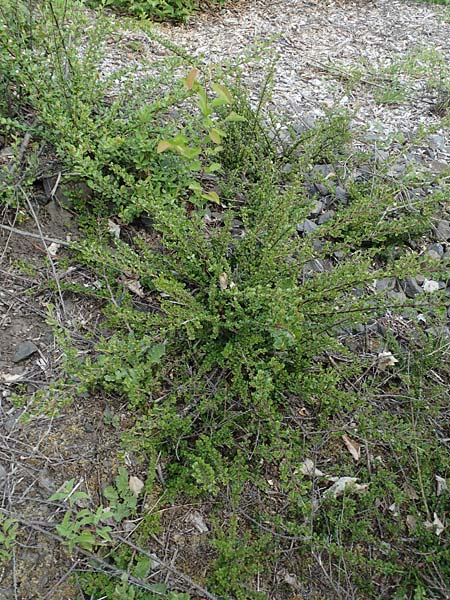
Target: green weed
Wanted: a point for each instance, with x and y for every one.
(234, 353)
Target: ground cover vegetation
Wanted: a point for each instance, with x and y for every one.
(162, 10)
(300, 407)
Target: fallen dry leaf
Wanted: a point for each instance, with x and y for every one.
(411, 522)
(53, 248)
(114, 228)
(353, 447)
(394, 509)
(135, 287)
(190, 79)
(441, 485)
(385, 360)
(198, 521)
(410, 492)
(307, 468)
(291, 580)
(437, 525)
(136, 485)
(10, 377)
(343, 485)
(223, 281)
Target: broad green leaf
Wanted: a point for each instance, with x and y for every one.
(110, 493)
(213, 167)
(212, 196)
(222, 92)
(86, 540)
(195, 186)
(163, 145)
(122, 481)
(196, 165)
(215, 135)
(187, 152)
(219, 102)
(235, 118)
(203, 103)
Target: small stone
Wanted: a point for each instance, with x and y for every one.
(324, 170)
(341, 194)
(442, 230)
(307, 226)
(438, 142)
(411, 287)
(321, 189)
(430, 286)
(88, 427)
(3, 474)
(381, 155)
(24, 350)
(363, 174)
(398, 296)
(46, 481)
(310, 190)
(317, 208)
(436, 248)
(387, 283)
(305, 125)
(318, 244)
(326, 216)
(438, 166)
(439, 332)
(432, 254)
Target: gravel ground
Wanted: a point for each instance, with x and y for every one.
(309, 36)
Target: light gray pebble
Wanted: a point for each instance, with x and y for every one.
(326, 216)
(317, 208)
(307, 226)
(387, 283)
(438, 248)
(442, 230)
(399, 296)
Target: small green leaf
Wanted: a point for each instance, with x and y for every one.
(215, 135)
(212, 196)
(155, 353)
(223, 93)
(68, 487)
(235, 118)
(213, 167)
(195, 187)
(142, 568)
(203, 103)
